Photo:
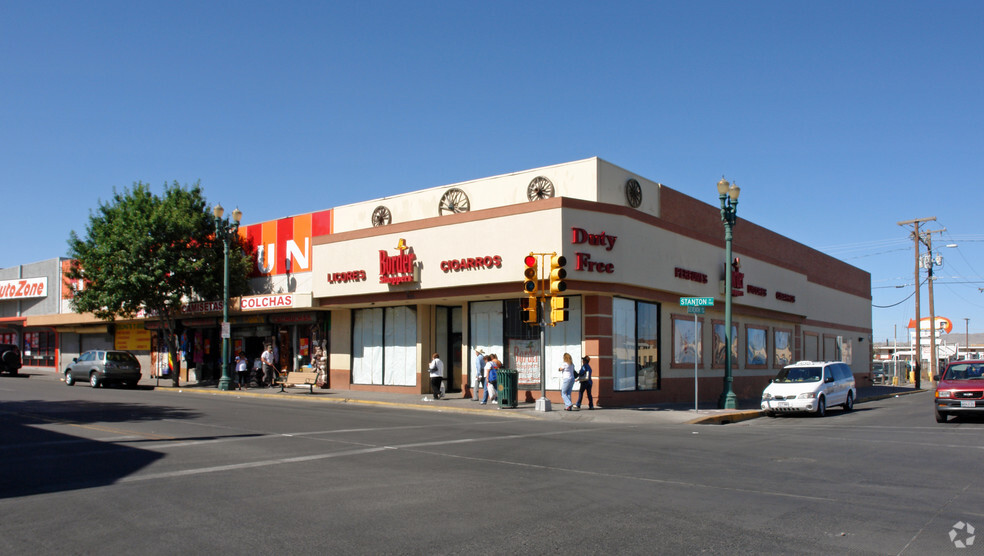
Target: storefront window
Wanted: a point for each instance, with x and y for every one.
(687, 345)
(717, 344)
(38, 349)
(498, 327)
(384, 346)
(784, 350)
(757, 347)
(485, 321)
(635, 347)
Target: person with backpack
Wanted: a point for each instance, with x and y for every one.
(491, 379)
(584, 379)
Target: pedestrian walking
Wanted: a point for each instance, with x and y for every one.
(486, 367)
(567, 381)
(492, 379)
(436, 369)
(269, 367)
(585, 383)
(242, 369)
(479, 373)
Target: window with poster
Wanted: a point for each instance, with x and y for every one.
(718, 342)
(783, 347)
(38, 348)
(522, 345)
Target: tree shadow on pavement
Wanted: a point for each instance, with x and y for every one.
(38, 458)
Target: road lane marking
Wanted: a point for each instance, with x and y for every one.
(415, 446)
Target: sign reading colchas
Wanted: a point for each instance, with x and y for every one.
(275, 301)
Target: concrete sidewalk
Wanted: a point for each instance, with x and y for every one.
(677, 413)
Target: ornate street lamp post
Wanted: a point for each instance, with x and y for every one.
(225, 230)
(728, 193)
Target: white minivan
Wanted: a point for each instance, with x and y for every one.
(810, 386)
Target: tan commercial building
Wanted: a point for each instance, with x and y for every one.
(441, 270)
(383, 284)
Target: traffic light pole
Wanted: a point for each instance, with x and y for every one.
(544, 293)
(543, 404)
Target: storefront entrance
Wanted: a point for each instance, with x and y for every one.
(448, 344)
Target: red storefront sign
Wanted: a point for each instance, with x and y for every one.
(583, 261)
(24, 288)
(397, 269)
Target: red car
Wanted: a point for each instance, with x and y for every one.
(960, 391)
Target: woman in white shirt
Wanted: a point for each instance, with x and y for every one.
(567, 381)
(242, 369)
(436, 369)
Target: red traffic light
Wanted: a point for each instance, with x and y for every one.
(529, 274)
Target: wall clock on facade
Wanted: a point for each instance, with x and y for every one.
(453, 201)
(381, 216)
(540, 188)
(633, 193)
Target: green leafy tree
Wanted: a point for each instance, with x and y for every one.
(150, 253)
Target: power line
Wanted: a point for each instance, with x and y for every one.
(900, 302)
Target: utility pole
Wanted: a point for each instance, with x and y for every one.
(966, 338)
(917, 356)
(934, 361)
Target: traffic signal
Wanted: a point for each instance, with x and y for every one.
(558, 309)
(529, 284)
(529, 312)
(557, 274)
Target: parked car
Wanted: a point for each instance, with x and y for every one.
(960, 390)
(879, 372)
(810, 386)
(100, 367)
(10, 359)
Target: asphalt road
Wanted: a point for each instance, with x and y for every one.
(153, 472)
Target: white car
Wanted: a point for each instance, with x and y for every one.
(812, 387)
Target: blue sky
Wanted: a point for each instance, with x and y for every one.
(838, 119)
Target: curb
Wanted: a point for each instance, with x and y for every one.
(738, 416)
(312, 399)
(727, 418)
(891, 395)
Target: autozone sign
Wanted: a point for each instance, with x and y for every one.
(24, 288)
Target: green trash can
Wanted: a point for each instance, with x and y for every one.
(508, 380)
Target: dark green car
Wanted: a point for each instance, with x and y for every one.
(10, 359)
(98, 367)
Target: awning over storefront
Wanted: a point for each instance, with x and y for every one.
(12, 324)
(95, 329)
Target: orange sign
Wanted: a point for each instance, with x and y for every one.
(284, 245)
(942, 323)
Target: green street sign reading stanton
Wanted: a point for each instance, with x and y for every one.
(696, 301)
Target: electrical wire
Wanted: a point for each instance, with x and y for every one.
(873, 306)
